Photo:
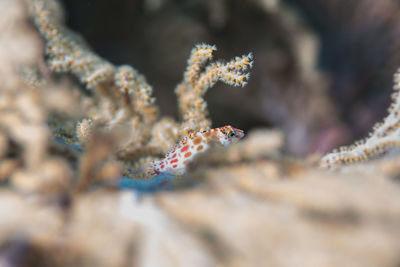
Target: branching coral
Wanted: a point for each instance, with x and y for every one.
(123, 98)
(195, 84)
(384, 137)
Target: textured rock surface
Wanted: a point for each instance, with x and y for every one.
(268, 211)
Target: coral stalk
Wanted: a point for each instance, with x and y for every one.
(386, 136)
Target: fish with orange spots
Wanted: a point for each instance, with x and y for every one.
(176, 160)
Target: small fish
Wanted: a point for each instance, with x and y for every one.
(176, 160)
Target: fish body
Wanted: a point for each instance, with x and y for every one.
(177, 159)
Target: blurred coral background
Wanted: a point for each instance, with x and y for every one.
(322, 69)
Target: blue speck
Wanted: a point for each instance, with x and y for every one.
(160, 182)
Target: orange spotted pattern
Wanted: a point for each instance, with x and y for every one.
(176, 160)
